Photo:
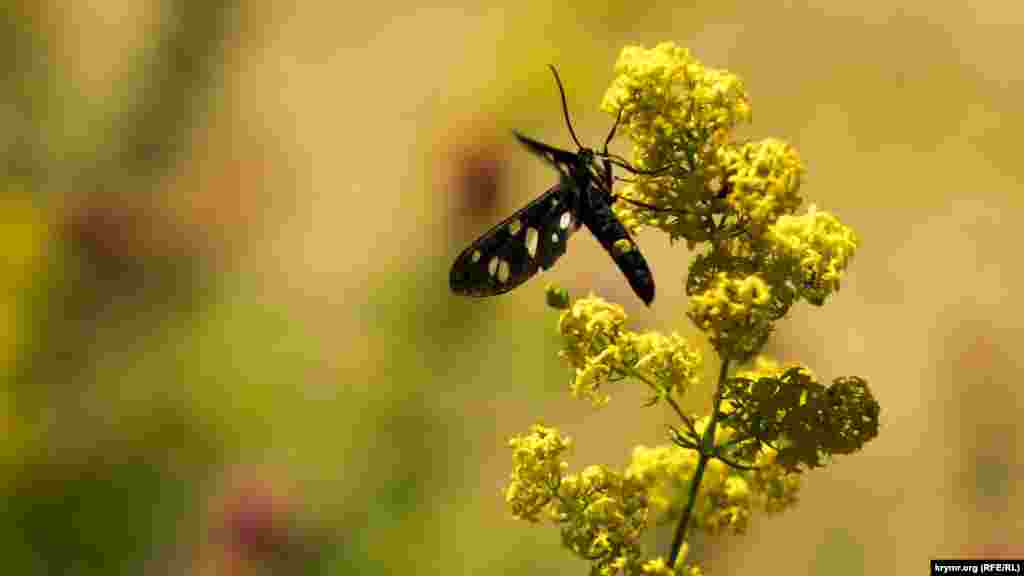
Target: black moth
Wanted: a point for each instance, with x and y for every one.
(533, 238)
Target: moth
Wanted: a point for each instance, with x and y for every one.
(533, 238)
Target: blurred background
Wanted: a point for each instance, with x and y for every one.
(227, 340)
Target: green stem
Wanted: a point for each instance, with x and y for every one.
(706, 453)
(668, 397)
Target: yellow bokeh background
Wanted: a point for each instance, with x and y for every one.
(228, 344)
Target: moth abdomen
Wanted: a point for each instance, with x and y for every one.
(615, 239)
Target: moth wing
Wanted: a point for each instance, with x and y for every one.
(562, 160)
(519, 247)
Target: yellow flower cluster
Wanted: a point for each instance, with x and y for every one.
(602, 514)
(671, 102)
(668, 360)
(678, 113)
(537, 467)
(666, 470)
(727, 495)
(735, 312)
(764, 180)
(819, 247)
(600, 349)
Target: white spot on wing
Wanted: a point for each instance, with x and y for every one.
(503, 271)
(531, 241)
(565, 221)
(514, 227)
(476, 256)
(554, 237)
(492, 266)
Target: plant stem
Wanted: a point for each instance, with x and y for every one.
(706, 452)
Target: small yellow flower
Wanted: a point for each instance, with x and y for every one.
(676, 111)
(817, 248)
(733, 311)
(764, 177)
(599, 347)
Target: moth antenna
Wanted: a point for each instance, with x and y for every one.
(565, 106)
(612, 133)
